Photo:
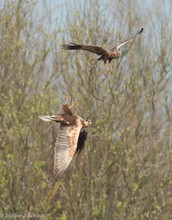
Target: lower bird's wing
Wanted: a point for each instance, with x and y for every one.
(65, 148)
(91, 48)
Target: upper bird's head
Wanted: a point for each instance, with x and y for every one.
(116, 54)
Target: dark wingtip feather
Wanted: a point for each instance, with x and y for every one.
(57, 178)
(140, 31)
(58, 175)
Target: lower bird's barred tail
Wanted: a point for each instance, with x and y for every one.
(47, 118)
(57, 118)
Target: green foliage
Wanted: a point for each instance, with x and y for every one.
(124, 171)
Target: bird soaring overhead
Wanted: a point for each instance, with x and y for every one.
(105, 55)
(70, 139)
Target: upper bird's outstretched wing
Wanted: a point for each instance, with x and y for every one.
(127, 41)
(91, 48)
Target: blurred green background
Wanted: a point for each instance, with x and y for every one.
(125, 170)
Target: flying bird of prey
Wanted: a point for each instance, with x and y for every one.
(70, 139)
(104, 54)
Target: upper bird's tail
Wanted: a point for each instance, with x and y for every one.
(71, 46)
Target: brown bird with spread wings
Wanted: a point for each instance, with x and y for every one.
(70, 139)
(105, 55)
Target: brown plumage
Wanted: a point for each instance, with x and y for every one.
(105, 55)
(70, 139)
